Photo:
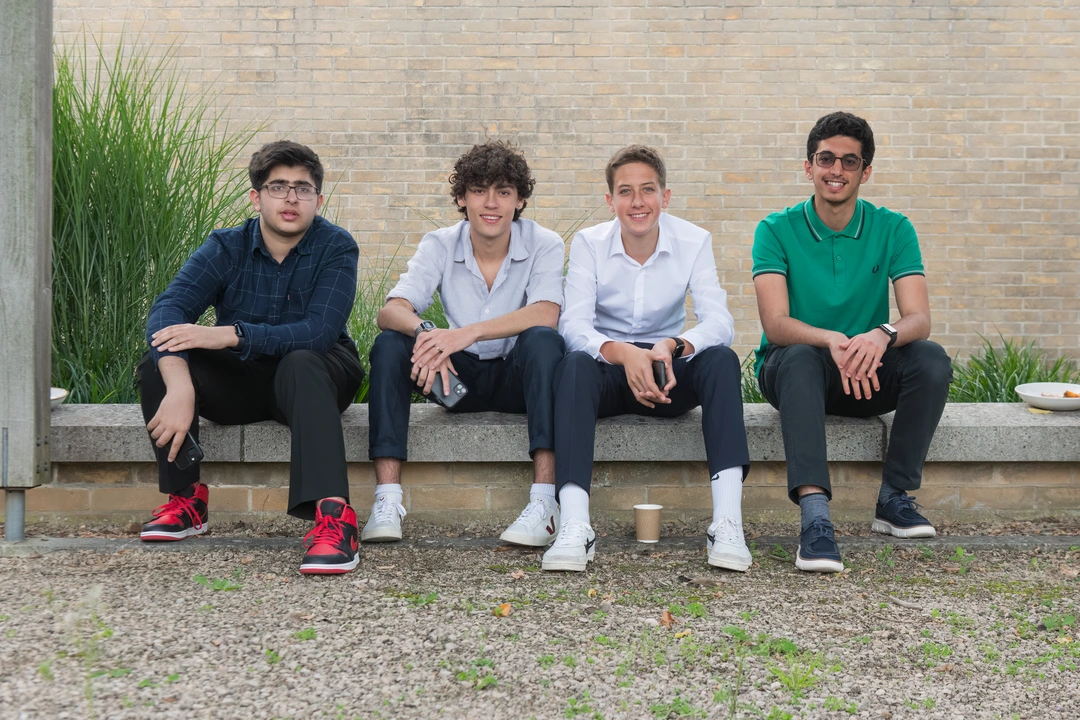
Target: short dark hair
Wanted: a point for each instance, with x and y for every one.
(287, 153)
(496, 162)
(841, 123)
(636, 154)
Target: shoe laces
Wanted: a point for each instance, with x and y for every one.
(385, 508)
(903, 502)
(727, 530)
(180, 505)
(573, 533)
(820, 527)
(329, 530)
(535, 511)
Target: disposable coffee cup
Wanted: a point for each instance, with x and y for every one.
(647, 521)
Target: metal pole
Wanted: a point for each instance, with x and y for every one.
(15, 516)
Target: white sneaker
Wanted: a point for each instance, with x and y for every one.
(384, 523)
(536, 526)
(573, 549)
(727, 547)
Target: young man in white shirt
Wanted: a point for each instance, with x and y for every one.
(624, 309)
(499, 278)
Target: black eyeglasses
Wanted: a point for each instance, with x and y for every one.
(280, 191)
(826, 159)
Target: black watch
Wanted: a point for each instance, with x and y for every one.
(242, 341)
(890, 331)
(680, 348)
(423, 327)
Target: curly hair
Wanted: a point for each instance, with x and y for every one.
(287, 153)
(494, 163)
(845, 124)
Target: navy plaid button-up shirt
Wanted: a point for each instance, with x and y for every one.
(302, 303)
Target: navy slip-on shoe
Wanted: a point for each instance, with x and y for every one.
(900, 518)
(818, 551)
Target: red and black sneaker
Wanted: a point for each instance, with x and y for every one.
(332, 544)
(181, 517)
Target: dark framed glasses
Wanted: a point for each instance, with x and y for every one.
(826, 159)
(280, 191)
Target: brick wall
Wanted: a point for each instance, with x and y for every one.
(975, 106)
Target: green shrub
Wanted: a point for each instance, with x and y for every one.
(142, 172)
(992, 374)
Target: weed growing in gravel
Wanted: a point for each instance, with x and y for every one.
(90, 632)
(779, 553)
(964, 558)
(926, 553)
(421, 599)
(678, 708)
(835, 704)
(45, 670)
(305, 634)
(799, 673)
(581, 706)
(272, 657)
(546, 661)
(777, 714)
(933, 653)
(217, 584)
(885, 556)
(570, 661)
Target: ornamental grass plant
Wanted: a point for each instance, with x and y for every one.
(143, 170)
(992, 374)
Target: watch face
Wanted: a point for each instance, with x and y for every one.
(889, 328)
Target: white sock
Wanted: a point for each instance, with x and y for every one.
(574, 503)
(392, 492)
(727, 494)
(542, 491)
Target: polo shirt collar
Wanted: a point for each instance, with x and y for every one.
(821, 231)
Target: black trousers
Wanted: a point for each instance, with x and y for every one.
(587, 389)
(803, 383)
(519, 383)
(305, 390)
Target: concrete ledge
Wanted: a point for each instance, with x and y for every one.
(115, 433)
(1004, 432)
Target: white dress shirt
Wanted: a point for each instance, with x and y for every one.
(611, 297)
(444, 262)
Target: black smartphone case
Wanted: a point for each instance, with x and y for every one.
(457, 391)
(190, 453)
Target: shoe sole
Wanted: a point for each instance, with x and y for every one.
(820, 565)
(164, 536)
(568, 565)
(380, 536)
(526, 540)
(729, 562)
(331, 569)
(887, 528)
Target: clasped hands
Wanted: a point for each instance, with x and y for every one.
(637, 362)
(188, 336)
(431, 356)
(858, 359)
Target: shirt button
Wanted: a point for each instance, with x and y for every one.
(837, 257)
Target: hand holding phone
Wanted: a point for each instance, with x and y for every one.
(457, 390)
(190, 453)
(659, 370)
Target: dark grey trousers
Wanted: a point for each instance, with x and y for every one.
(803, 383)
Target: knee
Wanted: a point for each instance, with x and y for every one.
(801, 360)
(299, 362)
(720, 358)
(574, 365)
(389, 347)
(931, 364)
(542, 343)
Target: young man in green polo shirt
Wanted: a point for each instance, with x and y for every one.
(821, 272)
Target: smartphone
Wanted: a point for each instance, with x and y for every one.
(659, 371)
(457, 391)
(190, 453)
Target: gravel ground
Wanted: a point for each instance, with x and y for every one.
(909, 631)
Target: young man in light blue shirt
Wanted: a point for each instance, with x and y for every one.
(499, 277)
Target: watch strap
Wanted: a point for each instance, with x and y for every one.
(680, 348)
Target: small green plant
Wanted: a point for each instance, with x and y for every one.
(751, 391)
(964, 558)
(695, 610)
(420, 599)
(570, 661)
(546, 661)
(581, 706)
(885, 556)
(147, 683)
(45, 670)
(777, 714)
(798, 673)
(678, 707)
(778, 552)
(992, 374)
(305, 634)
(1057, 621)
(835, 704)
(272, 657)
(933, 653)
(217, 584)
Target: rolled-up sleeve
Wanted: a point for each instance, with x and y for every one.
(190, 293)
(325, 316)
(423, 276)
(715, 325)
(546, 280)
(577, 324)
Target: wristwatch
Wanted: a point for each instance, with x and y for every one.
(241, 340)
(423, 327)
(890, 331)
(680, 348)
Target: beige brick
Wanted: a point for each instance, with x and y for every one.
(616, 498)
(997, 498)
(422, 474)
(435, 498)
(48, 499)
(230, 499)
(1037, 475)
(511, 475)
(959, 474)
(681, 498)
(140, 498)
(1058, 501)
(93, 473)
(277, 500)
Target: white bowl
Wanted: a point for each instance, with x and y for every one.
(57, 396)
(1032, 394)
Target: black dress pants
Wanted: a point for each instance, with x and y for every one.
(803, 383)
(305, 390)
(521, 382)
(587, 389)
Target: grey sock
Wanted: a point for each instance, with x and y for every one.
(887, 493)
(814, 506)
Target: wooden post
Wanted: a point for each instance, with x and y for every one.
(25, 250)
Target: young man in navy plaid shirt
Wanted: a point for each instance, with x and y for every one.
(282, 285)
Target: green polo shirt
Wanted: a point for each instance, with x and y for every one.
(836, 280)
